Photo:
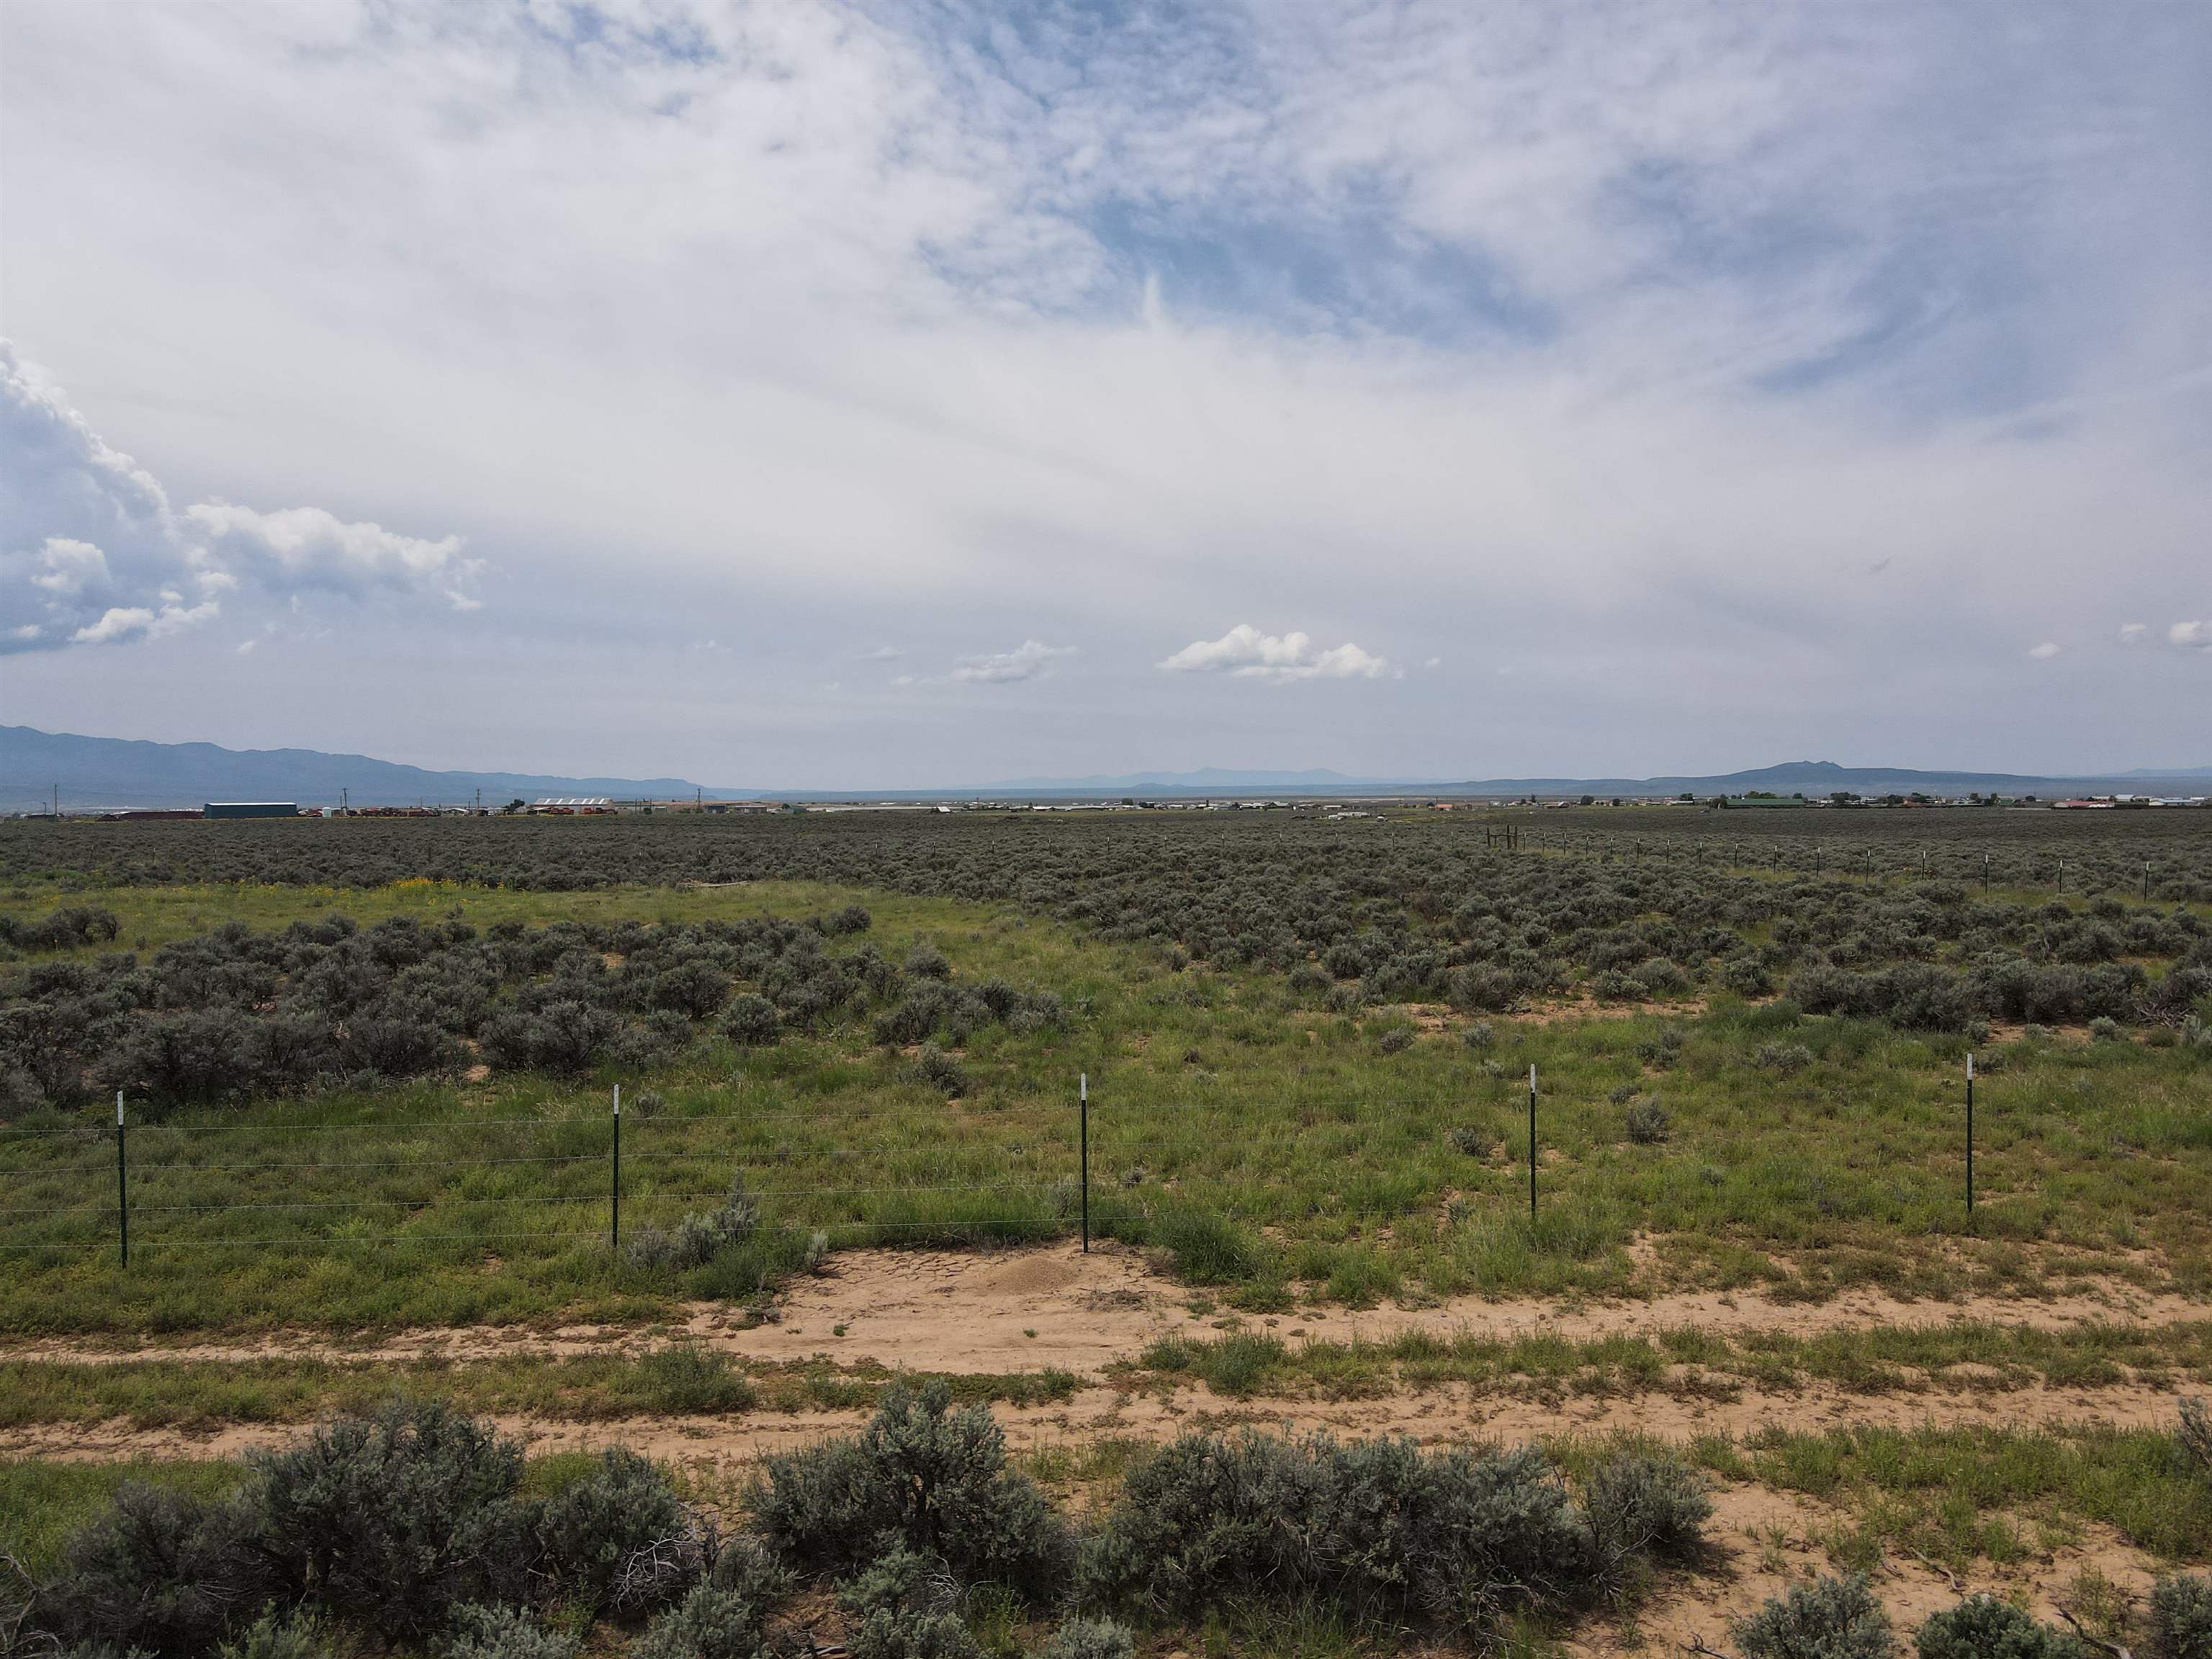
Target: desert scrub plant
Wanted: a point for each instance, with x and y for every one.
(2193, 1438)
(280, 1636)
(1396, 1040)
(1831, 1618)
(482, 1632)
(924, 1475)
(1648, 1123)
(701, 1235)
(750, 1021)
(162, 1572)
(1090, 1638)
(1455, 1539)
(1784, 1057)
(941, 1071)
(390, 1520)
(2181, 1617)
(1475, 1141)
(1643, 1504)
(621, 1540)
(708, 1624)
(904, 1605)
(1985, 1627)
(747, 1565)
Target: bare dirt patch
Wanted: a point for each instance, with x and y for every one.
(1053, 1307)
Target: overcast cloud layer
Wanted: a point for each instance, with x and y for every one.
(906, 396)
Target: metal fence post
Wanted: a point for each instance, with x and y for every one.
(1083, 1119)
(614, 1221)
(1970, 1142)
(122, 1182)
(1532, 1140)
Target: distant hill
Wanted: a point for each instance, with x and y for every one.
(116, 772)
(99, 772)
(1818, 779)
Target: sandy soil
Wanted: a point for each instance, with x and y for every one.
(1450, 1415)
(962, 1311)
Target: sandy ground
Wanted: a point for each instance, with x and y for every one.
(1448, 1415)
(966, 1312)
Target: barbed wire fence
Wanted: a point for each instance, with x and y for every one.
(571, 1180)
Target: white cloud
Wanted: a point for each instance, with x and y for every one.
(2190, 635)
(2044, 652)
(69, 565)
(1244, 651)
(95, 555)
(2134, 633)
(121, 622)
(305, 548)
(1024, 662)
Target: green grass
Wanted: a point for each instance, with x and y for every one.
(1263, 1143)
(1960, 1495)
(680, 1381)
(1968, 1356)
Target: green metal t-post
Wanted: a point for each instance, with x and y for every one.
(1531, 1141)
(1970, 1142)
(122, 1182)
(1083, 1119)
(614, 1222)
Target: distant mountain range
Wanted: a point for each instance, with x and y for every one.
(115, 771)
(99, 772)
(1810, 778)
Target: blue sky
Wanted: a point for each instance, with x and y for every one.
(837, 396)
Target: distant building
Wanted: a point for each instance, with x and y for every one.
(573, 804)
(250, 809)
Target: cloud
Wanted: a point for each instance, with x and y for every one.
(303, 548)
(2134, 633)
(2044, 652)
(881, 654)
(2190, 635)
(1246, 652)
(95, 554)
(1024, 662)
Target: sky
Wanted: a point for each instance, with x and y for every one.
(905, 396)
